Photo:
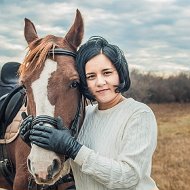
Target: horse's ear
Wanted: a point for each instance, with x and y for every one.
(75, 34)
(29, 31)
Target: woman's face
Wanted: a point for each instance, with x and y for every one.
(102, 80)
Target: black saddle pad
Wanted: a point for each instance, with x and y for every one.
(8, 77)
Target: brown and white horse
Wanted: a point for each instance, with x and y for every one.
(49, 75)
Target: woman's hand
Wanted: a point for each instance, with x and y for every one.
(59, 141)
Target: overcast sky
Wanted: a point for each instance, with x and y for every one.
(154, 34)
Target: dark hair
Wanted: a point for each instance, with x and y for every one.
(94, 46)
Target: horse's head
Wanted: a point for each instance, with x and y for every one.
(51, 81)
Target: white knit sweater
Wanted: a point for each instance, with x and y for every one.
(118, 146)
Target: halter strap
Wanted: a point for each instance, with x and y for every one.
(61, 51)
(44, 119)
(75, 124)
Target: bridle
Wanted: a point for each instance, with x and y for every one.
(61, 51)
(51, 120)
(75, 126)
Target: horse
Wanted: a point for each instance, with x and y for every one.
(51, 83)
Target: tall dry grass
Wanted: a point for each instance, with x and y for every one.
(171, 161)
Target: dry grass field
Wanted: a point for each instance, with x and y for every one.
(171, 162)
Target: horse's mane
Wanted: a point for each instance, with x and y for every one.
(36, 55)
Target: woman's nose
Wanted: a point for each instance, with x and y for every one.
(100, 81)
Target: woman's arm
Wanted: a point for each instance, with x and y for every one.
(137, 147)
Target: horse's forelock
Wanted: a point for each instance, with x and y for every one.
(36, 55)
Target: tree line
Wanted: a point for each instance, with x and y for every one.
(150, 88)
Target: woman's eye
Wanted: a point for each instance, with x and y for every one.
(74, 84)
(107, 73)
(90, 77)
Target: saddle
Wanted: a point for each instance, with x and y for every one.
(11, 100)
(12, 96)
(8, 77)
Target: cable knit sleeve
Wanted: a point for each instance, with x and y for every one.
(134, 158)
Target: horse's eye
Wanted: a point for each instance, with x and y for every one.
(74, 84)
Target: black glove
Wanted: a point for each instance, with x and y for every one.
(25, 128)
(57, 140)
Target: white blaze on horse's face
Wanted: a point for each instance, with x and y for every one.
(40, 90)
(43, 161)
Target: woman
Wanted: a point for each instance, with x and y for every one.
(117, 140)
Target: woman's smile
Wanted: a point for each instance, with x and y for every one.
(102, 91)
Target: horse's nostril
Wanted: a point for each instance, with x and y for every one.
(55, 164)
(54, 168)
